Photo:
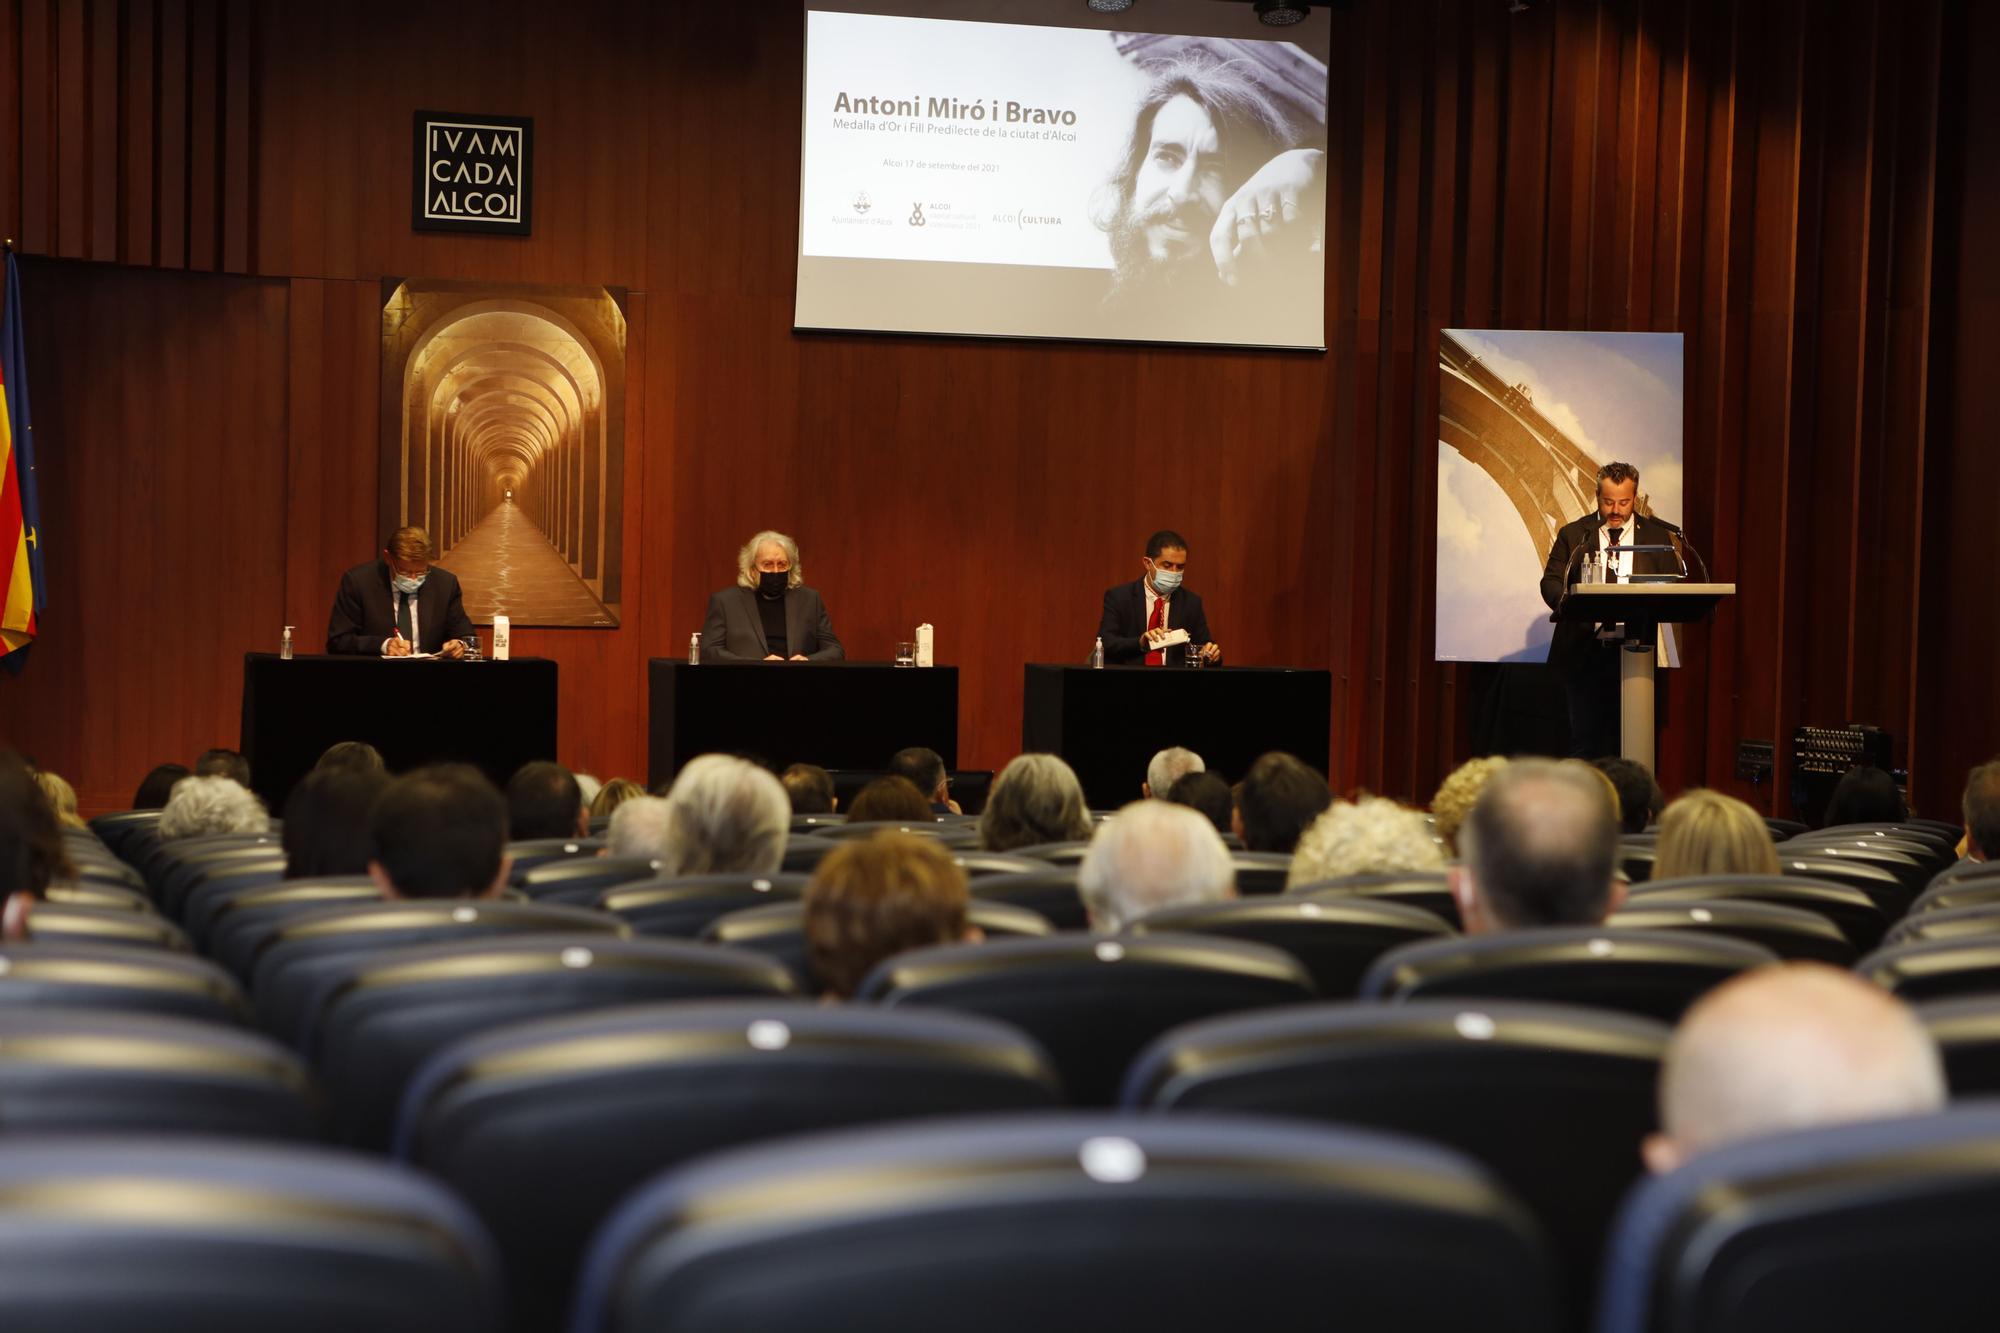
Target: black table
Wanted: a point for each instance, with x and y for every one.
(493, 715)
(1108, 723)
(834, 714)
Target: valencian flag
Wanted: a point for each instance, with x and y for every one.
(20, 516)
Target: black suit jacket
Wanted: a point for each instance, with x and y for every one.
(1575, 640)
(733, 631)
(1123, 624)
(364, 611)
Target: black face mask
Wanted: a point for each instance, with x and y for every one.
(771, 584)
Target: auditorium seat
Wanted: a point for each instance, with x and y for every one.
(239, 927)
(77, 1071)
(543, 1127)
(1635, 860)
(178, 878)
(1789, 932)
(103, 868)
(1782, 829)
(1934, 970)
(684, 907)
(1259, 873)
(532, 852)
(1056, 853)
(1886, 1224)
(1335, 939)
(303, 948)
(64, 923)
(579, 880)
(981, 865)
(1092, 1001)
(813, 823)
(1912, 868)
(1430, 891)
(1964, 873)
(376, 1017)
(954, 835)
(1952, 924)
(216, 905)
(118, 827)
(995, 1225)
(803, 851)
(1883, 886)
(109, 897)
(104, 976)
(1049, 892)
(1652, 973)
(1967, 1033)
(135, 1236)
(1936, 844)
(778, 930)
(231, 879)
(1555, 1100)
(1853, 911)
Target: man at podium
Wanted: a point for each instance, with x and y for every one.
(1154, 619)
(400, 605)
(1586, 664)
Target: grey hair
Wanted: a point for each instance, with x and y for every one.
(212, 805)
(639, 828)
(746, 559)
(1364, 837)
(1151, 855)
(1036, 799)
(1170, 766)
(725, 815)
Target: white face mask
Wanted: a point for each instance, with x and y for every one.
(404, 583)
(1165, 581)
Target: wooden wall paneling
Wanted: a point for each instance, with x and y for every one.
(10, 118)
(334, 367)
(205, 133)
(36, 71)
(174, 102)
(104, 91)
(72, 130)
(238, 134)
(138, 122)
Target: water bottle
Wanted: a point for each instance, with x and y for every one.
(694, 649)
(1097, 654)
(285, 646)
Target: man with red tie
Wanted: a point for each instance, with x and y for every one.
(1140, 615)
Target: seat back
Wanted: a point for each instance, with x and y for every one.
(1950, 891)
(580, 880)
(803, 851)
(378, 1016)
(996, 1225)
(1050, 892)
(1430, 891)
(1093, 1002)
(1951, 924)
(1850, 909)
(1967, 1033)
(1335, 940)
(131, 1236)
(1884, 1224)
(531, 852)
(100, 976)
(1936, 969)
(778, 931)
(98, 894)
(1055, 853)
(1260, 873)
(1789, 932)
(684, 907)
(1652, 973)
(1884, 886)
(263, 858)
(1635, 859)
(117, 827)
(65, 923)
(543, 1127)
(979, 865)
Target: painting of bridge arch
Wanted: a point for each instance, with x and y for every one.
(1525, 420)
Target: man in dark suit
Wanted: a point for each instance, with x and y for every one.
(1138, 615)
(399, 604)
(770, 615)
(1586, 664)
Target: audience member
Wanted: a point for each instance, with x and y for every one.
(1540, 848)
(1035, 799)
(1364, 837)
(157, 786)
(1208, 794)
(1279, 797)
(62, 798)
(351, 756)
(1981, 809)
(1865, 795)
(1152, 854)
(639, 828)
(875, 897)
(32, 851)
(724, 816)
(1456, 795)
(1602, 779)
(1168, 767)
(327, 820)
(612, 795)
(587, 787)
(1707, 833)
(201, 806)
(810, 788)
(1786, 1048)
(544, 801)
(926, 772)
(890, 800)
(439, 832)
(219, 763)
(1639, 797)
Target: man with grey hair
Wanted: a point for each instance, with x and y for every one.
(1365, 837)
(200, 806)
(770, 615)
(1168, 767)
(1152, 855)
(1785, 1048)
(1540, 848)
(638, 828)
(724, 815)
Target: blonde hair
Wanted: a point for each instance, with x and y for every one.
(62, 797)
(1363, 837)
(746, 559)
(1707, 833)
(1457, 794)
(612, 795)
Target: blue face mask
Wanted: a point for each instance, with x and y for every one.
(404, 583)
(1165, 581)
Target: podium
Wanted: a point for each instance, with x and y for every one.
(1638, 610)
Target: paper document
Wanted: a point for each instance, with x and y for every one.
(1173, 636)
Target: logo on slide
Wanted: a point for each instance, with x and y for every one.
(916, 215)
(862, 203)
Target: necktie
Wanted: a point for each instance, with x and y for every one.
(1617, 535)
(1158, 620)
(403, 618)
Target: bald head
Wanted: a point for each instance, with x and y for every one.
(1540, 848)
(1785, 1048)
